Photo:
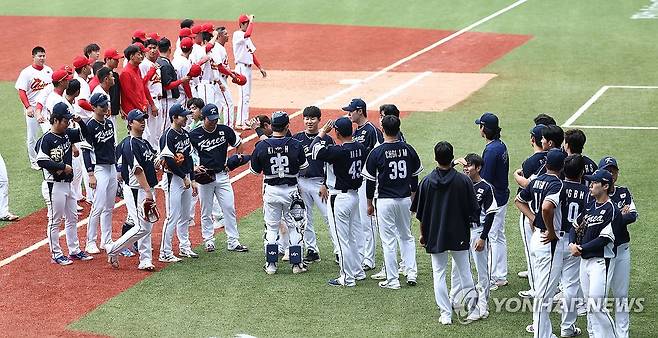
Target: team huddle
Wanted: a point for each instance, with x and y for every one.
(364, 181)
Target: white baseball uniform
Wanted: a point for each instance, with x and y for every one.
(33, 81)
(153, 129)
(224, 99)
(78, 162)
(182, 66)
(243, 49)
(4, 189)
(205, 84)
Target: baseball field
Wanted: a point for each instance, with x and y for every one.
(589, 64)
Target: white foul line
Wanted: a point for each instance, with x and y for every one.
(613, 127)
(584, 107)
(319, 104)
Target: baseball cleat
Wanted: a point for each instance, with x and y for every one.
(360, 277)
(387, 285)
(62, 260)
(337, 282)
(126, 253)
(239, 248)
(146, 267)
(92, 248)
(367, 267)
(299, 268)
(286, 256)
(472, 317)
(35, 166)
(311, 257)
(485, 315)
(381, 275)
(188, 253)
(527, 294)
(270, 268)
(210, 246)
(522, 274)
(411, 282)
(575, 332)
(445, 320)
(81, 256)
(113, 260)
(530, 329)
(169, 259)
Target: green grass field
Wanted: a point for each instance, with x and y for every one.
(576, 48)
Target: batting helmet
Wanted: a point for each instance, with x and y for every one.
(240, 79)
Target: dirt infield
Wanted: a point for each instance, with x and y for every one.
(304, 67)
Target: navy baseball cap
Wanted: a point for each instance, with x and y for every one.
(280, 118)
(355, 104)
(61, 110)
(536, 131)
(607, 162)
(555, 158)
(600, 175)
(344, 126)
(488, 120)
(136, 114)
(178, 110)
(99, 100)
(210, 111)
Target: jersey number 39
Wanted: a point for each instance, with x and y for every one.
(398, 169)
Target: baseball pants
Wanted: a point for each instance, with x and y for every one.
(309, 189)
(368, 234)
(78, 173)
(103, 205)
(61, 204)
(166, 104)
(141, 232)
(393, 216)
(226, 102)
(526, 236)
(206, 91)
(439, 265)
(619, 281)
(245, 94)
(594, 283)
(276, 205)
(222, 190)
(343, 216)
(153, 128)
(33, 132)
(481, 260)
(570, 281)
(498, 246)
(177, 201)
(114, 119)
(4, 189)
(547, 265)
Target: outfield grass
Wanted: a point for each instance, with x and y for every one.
(576, 48)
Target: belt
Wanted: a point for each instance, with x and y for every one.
(159, 97)
(559, 233)
(334, 192)
(207, 82)
(246, 64)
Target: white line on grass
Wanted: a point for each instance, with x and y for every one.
(584, 107)
(614, 127)
(319, 104)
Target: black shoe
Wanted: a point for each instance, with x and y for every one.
(411, 282)
(311, 256)
(239, 248)
(367, 267)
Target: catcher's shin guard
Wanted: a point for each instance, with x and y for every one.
(295, 252)
(272, 253)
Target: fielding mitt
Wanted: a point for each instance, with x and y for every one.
(179, 158)
(239, 79)
(203, 175)
(149, 211)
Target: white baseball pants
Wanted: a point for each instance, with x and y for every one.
(225, 101)
(153, 128)
(526, 237)
(222, 190)
(177, 201)
(481, 260)
(547, 266)
(439, 265)
(61, 204)
(141, 232)
(276, 205)
(344, 218)
(245, 94)
(309, 189)
(206, 91)
(498, 244)
(570, 281)
(103, 204)
(366, 240)
(78, 175)
(4, 189)
(166, 104)
(594, 283)
(394, 218)
(33, 132)
(619, 281)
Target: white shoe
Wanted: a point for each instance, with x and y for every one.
(146, 267)
(218, 225)
(527, 294)
(385, 285)
(79, 208)
(35, 166)
(473, 316)
(270, 268)
(188, 253)
(169, 259)
(381, 275)
(522, 274)
(92, 248)
(530, 329)
(485, 315)
(286, 256)
(299, 268)
(210, 246)
(445, 320)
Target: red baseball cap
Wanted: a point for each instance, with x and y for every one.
(154, 36)
(139, 34)
(243, 18)
(197, 29)
(60, 75)
(207, 27)
(112, 54)
(81, 61)
(209, 47)
(195, 71)
(141, 47)
(66, 68)
(186, 43)
(185, 32)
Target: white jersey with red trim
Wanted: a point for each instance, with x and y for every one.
(155, 82)
(50, 102)
(243, 48)
(219, 57)
(182, 66)
(33, 81)
(85, 94)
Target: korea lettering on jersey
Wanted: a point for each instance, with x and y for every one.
(212, 146)
(173, 142)
(101, 144)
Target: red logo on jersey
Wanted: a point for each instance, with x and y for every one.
(38, 84)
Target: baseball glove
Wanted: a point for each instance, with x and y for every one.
(179, 158)
(149, 211)
(203, 175)
(239, 79)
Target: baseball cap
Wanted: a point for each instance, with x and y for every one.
(61, 75)
(195, 71)
(197, 29)
(139, 34)
(210, 111)
(243, 18)
(136, 114)
(344, 126)
(81, 61)
(209, 46)
(355, 104)
(489, 120)
(61, 110)
(607, 162)
(67, 68)
(555, 158)
(280, 118)
(99, 100)
(600, 175)
(154, 36)
(207, 27)
(185, 32)
(536, 131)
(178, 110)
(186, 43)
(141, 47)
(112, 53)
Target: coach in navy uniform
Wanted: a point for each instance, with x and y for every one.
(445, 204)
